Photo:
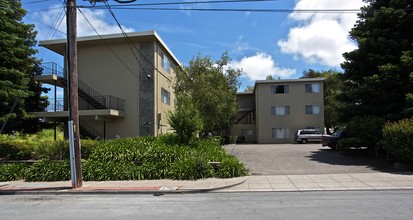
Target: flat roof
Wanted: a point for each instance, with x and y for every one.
(280, 81)
(290, 80)
(58, 45)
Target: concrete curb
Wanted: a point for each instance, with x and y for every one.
(156, 190)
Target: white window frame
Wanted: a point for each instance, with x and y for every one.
(312, 109)
(280, 110)
(166, 63)
(312, 88)
(165, 96)
(280, 133)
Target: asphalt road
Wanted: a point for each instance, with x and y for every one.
(281, 159)
(293, 205)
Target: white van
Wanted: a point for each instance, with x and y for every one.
(304, 136)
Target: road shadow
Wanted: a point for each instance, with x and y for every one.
(360, 158)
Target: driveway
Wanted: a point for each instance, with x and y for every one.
(279, 159)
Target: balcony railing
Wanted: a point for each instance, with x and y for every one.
(50, 68)
(57, 106)
(94, 99)
(109, 102)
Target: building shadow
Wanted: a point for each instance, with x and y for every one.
(355, 158)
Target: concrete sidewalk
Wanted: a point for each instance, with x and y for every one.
(276, 183)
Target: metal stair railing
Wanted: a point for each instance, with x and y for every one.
(99, 101)
(88, 131)
(244, 115)
(90, 95)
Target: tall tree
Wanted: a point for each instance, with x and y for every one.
(17, 64)
(333, 86)
(377, 74)
(212, 87)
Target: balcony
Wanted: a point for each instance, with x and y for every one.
(91, 103)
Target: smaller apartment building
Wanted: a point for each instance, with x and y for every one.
(276, 109)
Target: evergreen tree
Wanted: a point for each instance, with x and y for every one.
(378, 74)
(17, 65)
(333, 87)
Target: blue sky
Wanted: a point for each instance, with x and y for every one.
(281, 44)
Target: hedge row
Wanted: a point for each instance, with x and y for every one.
(139, 159)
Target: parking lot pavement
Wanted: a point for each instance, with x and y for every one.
(303, 159)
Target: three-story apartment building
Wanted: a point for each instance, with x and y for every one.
(125, 84)
(276, 109)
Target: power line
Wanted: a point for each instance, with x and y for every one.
(38, 1)
(240, 10)
(130, 43)
(199, 2)
(113, 52)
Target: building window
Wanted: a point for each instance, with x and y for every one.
(166, 64)
(312, 88)
(280, 110)
(165, 96)
(280, 133)
(279, 89)
(246, 132)
(312, 109)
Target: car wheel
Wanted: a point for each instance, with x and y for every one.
(304, 141)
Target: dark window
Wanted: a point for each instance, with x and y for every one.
(279, 89)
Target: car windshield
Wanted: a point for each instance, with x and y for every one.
(337, 133)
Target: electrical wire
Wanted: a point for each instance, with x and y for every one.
(130, 43)
(110, 48)
(242, 10)
(199, 2)
(38, 1)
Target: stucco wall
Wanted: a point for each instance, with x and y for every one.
(101, 70)
(297, 99)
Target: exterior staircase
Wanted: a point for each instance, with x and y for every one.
(86, 93)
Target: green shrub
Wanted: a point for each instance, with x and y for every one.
(353, 142)
(127, 149)
(191, 169)
(398, 139)
(47, 170)
(88, 146)
(231, 167)
(16, 149)
(52, 150)
(366, 128)
(98, 170)
(12, 172)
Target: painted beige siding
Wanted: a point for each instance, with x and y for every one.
(164, 80)
(99, 68)
(296, 99)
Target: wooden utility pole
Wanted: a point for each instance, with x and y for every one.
(73, 88)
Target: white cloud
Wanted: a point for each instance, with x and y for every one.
(186, 8)
(321, 37)
(98, 18)
(259, 66)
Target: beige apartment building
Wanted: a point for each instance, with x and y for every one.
(125, 85)
(276, 109)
